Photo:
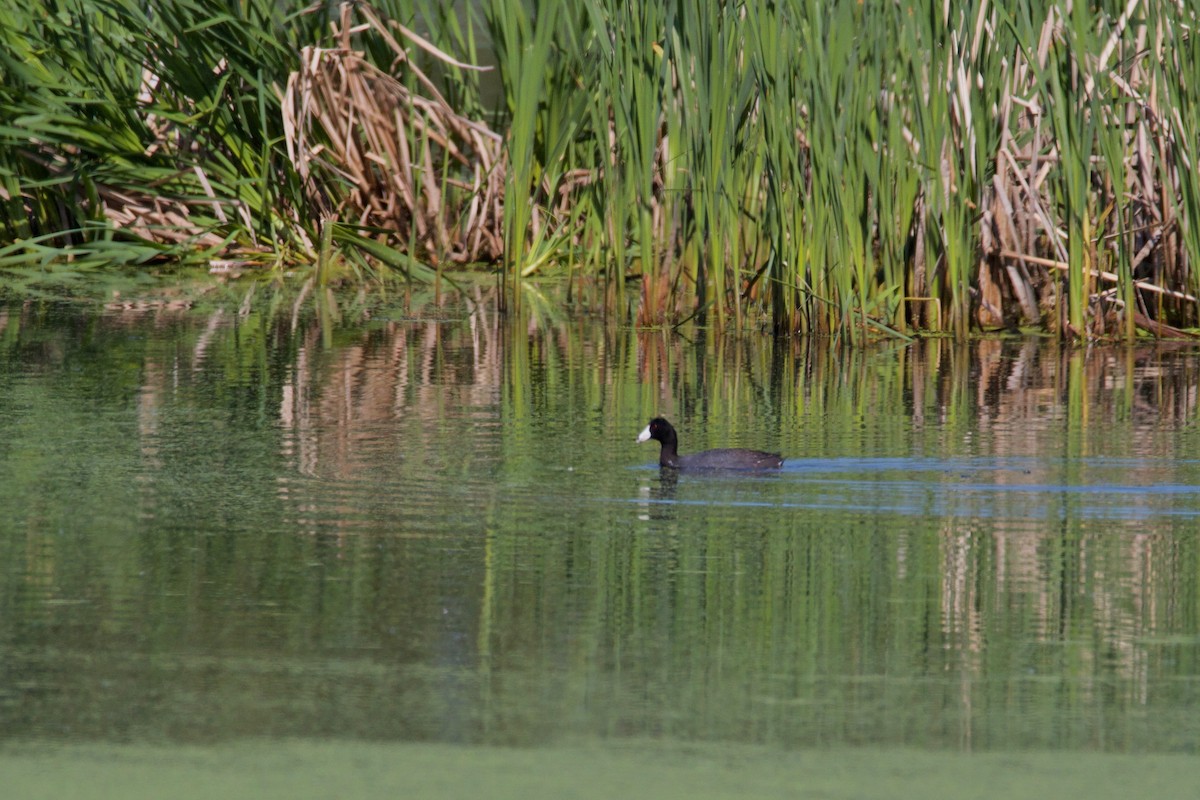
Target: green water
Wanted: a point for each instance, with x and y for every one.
(418, 534)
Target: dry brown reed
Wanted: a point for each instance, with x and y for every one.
(391, 159)
(1024, 238)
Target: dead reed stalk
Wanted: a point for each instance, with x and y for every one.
(399, 163)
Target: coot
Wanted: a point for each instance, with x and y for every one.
(728, 458)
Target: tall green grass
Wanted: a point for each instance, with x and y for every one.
(835, 168)
(132, 132)
(92, 94)
(868, 169)
(631, 174)
(1174, 66)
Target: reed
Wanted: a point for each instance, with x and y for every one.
(634, 178)
(129, 124)
(194, 128)
(833, 168)
(1169, 154)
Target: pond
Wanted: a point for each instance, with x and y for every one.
(412, 546)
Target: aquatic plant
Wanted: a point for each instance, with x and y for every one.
(839, 168)
(874, 169)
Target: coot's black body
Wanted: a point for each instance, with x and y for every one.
(729, 458)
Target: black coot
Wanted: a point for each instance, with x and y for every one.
(729, 458)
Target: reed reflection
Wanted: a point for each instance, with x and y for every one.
(964, 540)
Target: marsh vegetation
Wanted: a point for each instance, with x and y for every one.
(838, 168)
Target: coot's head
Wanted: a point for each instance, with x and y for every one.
(658, 429)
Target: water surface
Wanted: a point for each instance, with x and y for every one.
(423, 524)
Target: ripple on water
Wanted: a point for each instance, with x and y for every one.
(1013, 489)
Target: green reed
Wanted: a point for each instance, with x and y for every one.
(839, 162)
(716, 101)
(1175, 68)
(1115, 217)
(774, 45)
(137, 132)
(637, 75)
(1074, 135)
(522, 54)
(82, 115)
(837, 184)
(838, 168)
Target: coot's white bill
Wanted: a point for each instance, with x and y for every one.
(644, 435)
